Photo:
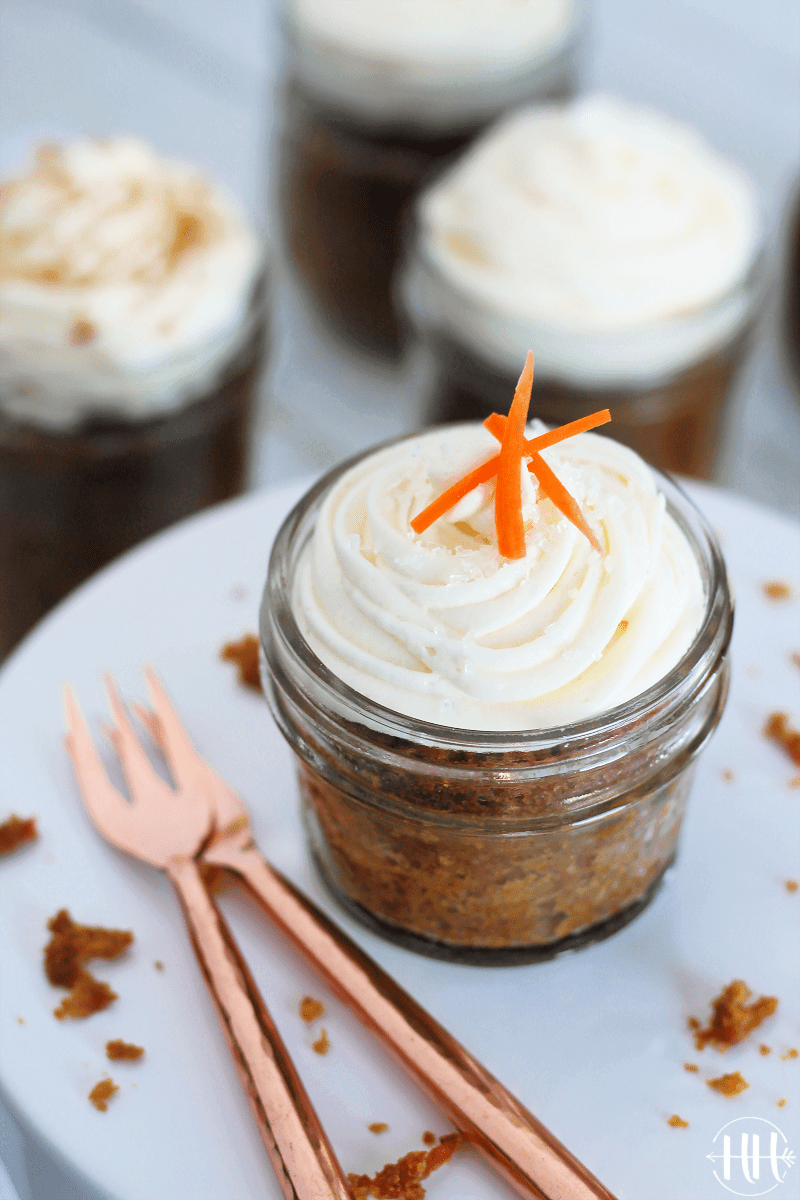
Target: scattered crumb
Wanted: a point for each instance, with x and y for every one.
(778, 730)
(321, 1045)
(776, 590)
(159, 966)
(378, 1127)
(429, 1138)
(794, 782)
(69, 948)
(693, 1023)
(20, 1020)
(791, 885)
(245, 655)
(102, 1092)
(789, 1054)
(677, 1122)
(88, 996)
(72, 945)
(728, 776)
(118, 1049)
(82, 332)
(764, 1050)
(311, 1009)
(691, 1067)
(732, 1019)
(781, 1103)
(16, 831)
(402, 1180)
(729, 1085)
(795, 658)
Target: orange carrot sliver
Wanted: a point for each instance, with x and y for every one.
(549, 481)
(566, 503)
(508, 494)
(496, 425)
(455, 493)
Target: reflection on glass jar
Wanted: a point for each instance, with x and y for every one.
(133, 339)
(614, 243)
(484, 846)
(378, 98)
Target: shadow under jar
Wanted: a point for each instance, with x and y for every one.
(72, 500)
(350, 167)
(493, 848)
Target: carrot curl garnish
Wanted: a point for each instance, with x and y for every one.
(514, 447)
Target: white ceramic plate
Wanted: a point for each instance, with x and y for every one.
(594, 1043)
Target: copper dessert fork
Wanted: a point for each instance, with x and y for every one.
(501, 1128)
(168, 828)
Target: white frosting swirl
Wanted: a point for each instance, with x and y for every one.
(436, 63)
(125, 282)
(612, 238)
(439, 627)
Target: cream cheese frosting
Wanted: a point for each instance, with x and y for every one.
(432, 62)
(126, 282)
(440, 628)
(611, 237)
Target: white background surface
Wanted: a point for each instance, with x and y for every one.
(197, 77)
(594, 1042)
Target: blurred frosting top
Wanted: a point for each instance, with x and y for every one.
(611, 237)
(431, 62)
(126, 282)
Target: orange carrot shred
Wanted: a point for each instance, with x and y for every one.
(455, 493)
(508, 495)
(555, 491)
(514, 447)
(497, 423)
(550, 483)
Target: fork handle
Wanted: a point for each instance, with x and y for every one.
(301, 1155)
(523, 1150)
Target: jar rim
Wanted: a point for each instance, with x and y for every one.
(681, 682)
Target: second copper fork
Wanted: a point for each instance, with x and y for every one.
(168, 828)
(500, 1127)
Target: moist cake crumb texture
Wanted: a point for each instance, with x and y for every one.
(16, 831)
(732, 1018)
(125, 1051)
(102, 1092)
(729, 1085)
(245, 655)
(311, 1009)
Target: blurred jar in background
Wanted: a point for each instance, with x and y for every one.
(132, 330)
(619, 247)
(378, 97)
(791, 294)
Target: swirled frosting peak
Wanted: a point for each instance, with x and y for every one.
(125, 282)
(610, 236)
(439, 627)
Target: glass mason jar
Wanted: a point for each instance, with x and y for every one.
(349, 170)
(675, 418)
(492, 847)
(73, 499)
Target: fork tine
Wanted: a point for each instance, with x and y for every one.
(142, 779)
(169, 731)
(99, 794)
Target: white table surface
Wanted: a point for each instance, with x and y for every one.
(201, 84)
